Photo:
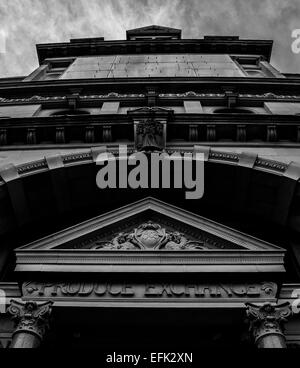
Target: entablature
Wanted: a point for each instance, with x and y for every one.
(105, 128)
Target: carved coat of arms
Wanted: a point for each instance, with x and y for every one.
(150, 236)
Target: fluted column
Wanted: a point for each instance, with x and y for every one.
(266, 324)
(32, 321)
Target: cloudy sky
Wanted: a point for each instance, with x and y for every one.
(23, 23)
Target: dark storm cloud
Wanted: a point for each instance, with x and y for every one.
(27, 22)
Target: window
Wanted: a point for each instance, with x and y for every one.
(51, 76)
(257, 73)
(251, 66)
(55, 69)
(53, 73)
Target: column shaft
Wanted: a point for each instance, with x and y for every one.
(25, 340)
(271, 342)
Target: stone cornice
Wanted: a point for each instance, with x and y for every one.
(212, 82)
(64, 261)
(127, 118)
(206, 46)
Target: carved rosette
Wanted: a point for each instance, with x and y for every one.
(30, 317)
(150, 236)
(266, 321)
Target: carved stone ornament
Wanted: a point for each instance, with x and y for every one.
(214, 95)
(80, 97)
(267, 319)
(31, 317)
(150, 236)
(150, 135)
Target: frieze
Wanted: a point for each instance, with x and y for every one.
(153, 290)
(191, 94)
(218, 95)
(116, 95)
(32, 99)
(83, 97)
(37, 98)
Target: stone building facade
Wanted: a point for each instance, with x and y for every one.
(145, 267)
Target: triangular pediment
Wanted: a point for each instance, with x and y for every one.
(153, 29)
(149, 231)
(150, 224)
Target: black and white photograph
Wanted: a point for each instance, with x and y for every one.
(150, 178)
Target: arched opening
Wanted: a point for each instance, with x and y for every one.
(56, 199)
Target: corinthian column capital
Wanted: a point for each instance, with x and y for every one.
(30, 317)
(266, 323)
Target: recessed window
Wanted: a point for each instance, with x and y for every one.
(255, 73)
(233, 111)
(52, 76)
(251, 66)
(55, 69)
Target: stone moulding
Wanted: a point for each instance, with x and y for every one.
(93, 261)
(38, 98)
(63, 98)
(35, 167)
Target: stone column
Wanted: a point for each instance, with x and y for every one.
(32, 321)
(266, 324)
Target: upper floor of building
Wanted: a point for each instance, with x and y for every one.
(92, 82)
(155, 52)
